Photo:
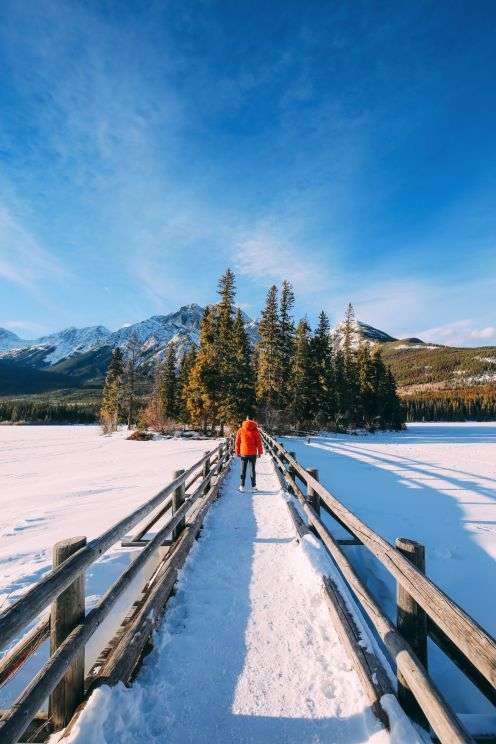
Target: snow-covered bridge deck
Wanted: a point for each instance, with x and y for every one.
(246, 652)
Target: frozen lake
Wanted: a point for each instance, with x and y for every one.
(435, 483)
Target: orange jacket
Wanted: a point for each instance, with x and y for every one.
(248, 440)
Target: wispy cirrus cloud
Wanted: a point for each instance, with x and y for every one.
(460, 333)
(23, 261)
(267, 257)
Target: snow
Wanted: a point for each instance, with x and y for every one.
(154, 334)
(435, 483)
(415, 346)
(246, 652)
(63, 481)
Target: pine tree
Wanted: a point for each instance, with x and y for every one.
(112, 393)
(225, 349)
(287, 332)
(186, 365)
(243, 381)
(203, 396)
(368, 408)
(324, 377)
(167, 384)
(350, 390)
(302, 377)
(269, 359)
(132, 377)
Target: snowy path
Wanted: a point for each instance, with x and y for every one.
(246, 652)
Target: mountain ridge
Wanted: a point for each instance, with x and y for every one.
(80, 356)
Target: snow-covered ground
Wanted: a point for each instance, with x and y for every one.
(63, 481)
(435, 483)
(247, 652)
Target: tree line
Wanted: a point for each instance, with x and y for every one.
(47, 412)
(469, 404)
(292, 379)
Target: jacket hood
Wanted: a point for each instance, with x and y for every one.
(249, 425)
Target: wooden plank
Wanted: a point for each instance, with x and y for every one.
(312, 496)
(411, 622)
(452, 652)
(372, 674)
(38, 730)
(474, 642)
(177, 502)
(121, 663)
(23, 649)
(348, 541)
(438, 712)
(298, 522)
(20, 613)
(30, 701)
(67, 612)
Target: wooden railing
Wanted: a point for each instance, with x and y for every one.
(61, 678)
(423, 609)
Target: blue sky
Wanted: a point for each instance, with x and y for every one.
(347, 146)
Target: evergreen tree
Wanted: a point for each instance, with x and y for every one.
(225, 349)
(287, 338)
(302, 377)
(203, 394)
(186, 365)
(324, 376)
(269, 359)
(112, 393)
(167, 384)
(349, 390)
(132, 376)
(367, 392)
(243, 381)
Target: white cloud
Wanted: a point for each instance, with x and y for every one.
(459, 333)
(267, 258)
(23, 260)
(489, 332)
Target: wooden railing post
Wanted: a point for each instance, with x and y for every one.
(411, 621)
(206, 471)
(67, 612)
(219, 461)
(312, 496)
(177, 501)
(291, 470)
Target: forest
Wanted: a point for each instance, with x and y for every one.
(293, 380)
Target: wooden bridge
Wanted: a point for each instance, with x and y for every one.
(377, 650)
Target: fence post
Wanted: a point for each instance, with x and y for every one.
(312, 496)
(291, 470)
(411, 621)
(206, 471)
(67, 612)
(219, 461)
(177, 500)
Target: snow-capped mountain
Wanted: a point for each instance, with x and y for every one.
(153, 334)
(361, 333)
(8, 340)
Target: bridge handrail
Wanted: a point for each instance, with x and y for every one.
(462, 632)
(26, 609)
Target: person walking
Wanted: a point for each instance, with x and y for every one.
(248, 446)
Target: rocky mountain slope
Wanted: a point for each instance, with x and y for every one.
(77, 358)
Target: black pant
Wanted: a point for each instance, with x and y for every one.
(252, 459)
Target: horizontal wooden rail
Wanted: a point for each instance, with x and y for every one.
(31, 700)
(472, 640)
(23, 649)
(442, 719)
(19, 614)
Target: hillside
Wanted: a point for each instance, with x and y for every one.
(73, 362)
